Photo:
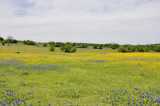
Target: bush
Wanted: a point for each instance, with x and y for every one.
(123, 49)
(68, 48)
(44, 44)
(3, 43)
(82, 45)
(157, 49)
(100, 46)
(51, 43)
(52, 48)
(28, 42)
(1, 39)
(58, 44)
(73, 49)
(14, 41)
(97, 46)
(115, 46)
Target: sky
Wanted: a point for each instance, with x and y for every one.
(89, 21)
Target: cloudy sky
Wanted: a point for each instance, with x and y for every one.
(94, 21)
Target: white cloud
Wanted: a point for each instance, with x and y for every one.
(101, 21)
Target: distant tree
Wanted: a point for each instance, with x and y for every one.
(58, 44)
(123, 49)
(157, 48)
(14, 41)
(44, 44)
(68, 48)
(100, 47)
(1, 39)
(51, 43)
(115, 46)
(95, 46)
(28, 42)
(51, 48)
(82, 45)
(3, 43)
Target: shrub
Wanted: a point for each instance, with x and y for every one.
(51, 43)
(100, 46)
(58, 44)
(3, 43)
(123, 49)
(95, 46)
(157, 49)
(115, 46)
(82, 45)
(44, 44)
(52, 48)
(14, 41)
(73, 49)
(1, 39)
(68, 48)
(28, 42)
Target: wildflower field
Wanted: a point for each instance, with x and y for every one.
(34, 76)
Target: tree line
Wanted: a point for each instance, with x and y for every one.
(72, 47)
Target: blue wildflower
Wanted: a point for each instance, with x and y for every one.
(158, 99)
(135, 88)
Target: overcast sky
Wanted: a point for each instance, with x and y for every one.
(92, 21)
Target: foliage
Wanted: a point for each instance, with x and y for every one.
(112, 45)
(51, 43)
(3, 43)
(58, 44)
(82, 45)
(97, 46)
(51, 48)
(68, 48)
(100, 46)
(44, 44)
(28, 42)
(157, 48)
(141, 48)
(123, 49)
(1, 39)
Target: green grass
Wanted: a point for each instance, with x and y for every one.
(87, 77)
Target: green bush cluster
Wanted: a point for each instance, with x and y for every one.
(58, 44)
(68, 48)
(82, 45)
(1, 39)
(51, 48)
(9, 40)
(97, 46)
(112, 45)
(44, 44)
(28, 42)
(140, 48)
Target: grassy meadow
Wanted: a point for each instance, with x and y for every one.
(89, 77)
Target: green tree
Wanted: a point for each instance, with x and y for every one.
(157, 48)
(1, 39)
(68, 48)
(52, 48)
(123, 49)
(44, 44)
